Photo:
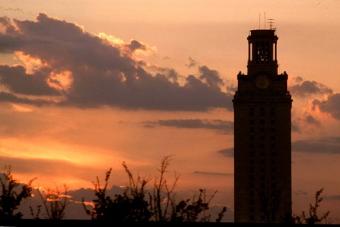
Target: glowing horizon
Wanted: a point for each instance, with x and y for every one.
(84, 90)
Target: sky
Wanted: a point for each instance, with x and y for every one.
(85, 86)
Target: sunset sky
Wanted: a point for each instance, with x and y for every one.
(86, 85)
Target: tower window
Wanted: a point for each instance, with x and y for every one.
(252, 162)
(252, 193)
(251, 178)
(251, 112)
(272, 111)
(274, 153)
(262, 111)
(262, 52)
(274, 185)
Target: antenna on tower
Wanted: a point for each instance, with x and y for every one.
(271, 22)
(265, 20)
(259, 20)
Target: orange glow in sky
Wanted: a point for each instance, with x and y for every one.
(81, 138)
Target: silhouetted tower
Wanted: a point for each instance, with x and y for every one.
(262, 116)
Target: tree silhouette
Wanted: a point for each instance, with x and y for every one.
(131, 206)
(138, 204)
(54, 203)
(12, 194)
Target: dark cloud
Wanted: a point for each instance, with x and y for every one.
(309, 119)
(192, 62)
(103, 75)
(228, 152)
(8, 97)
(301, 193)
(219, 125)
(300, 123)
(296, 126)
(17, 81)
(213, 173)
(136, 45)
(211, 77)
(304, 88)
(6, 25)
(324, 145)
(231, 88)
(298, 79)
(331, 105)
(332, 197)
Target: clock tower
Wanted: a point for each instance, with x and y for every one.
(262, 136)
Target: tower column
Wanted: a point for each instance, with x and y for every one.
(275, 51)
(262, 136)
(249, 57)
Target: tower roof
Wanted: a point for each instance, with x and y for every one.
(262, 33)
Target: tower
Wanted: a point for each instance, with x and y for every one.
(262, 135)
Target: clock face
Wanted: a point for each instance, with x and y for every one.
(262, 81)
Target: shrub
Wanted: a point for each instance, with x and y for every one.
(137, 204)
(313, 217)
(12, 194)
(54, 203)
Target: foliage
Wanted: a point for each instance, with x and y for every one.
(54, 203)
(137, 204)
(162, 191)
(129, 206)
(313, 217)
(192, 210)
(12, 195)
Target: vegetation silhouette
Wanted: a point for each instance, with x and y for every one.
(313, 217)
(12, 195)
(137, 204)
(54, 204)
(158, 204)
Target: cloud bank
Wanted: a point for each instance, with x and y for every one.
(77, 68)
(306, 88)
(228, 152)
(331, 105)
(324, 145)
(225, 127)
(208, 173)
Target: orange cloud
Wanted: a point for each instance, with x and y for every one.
(31, 64)
(21, 108)
(113, 40)
(61, 81)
